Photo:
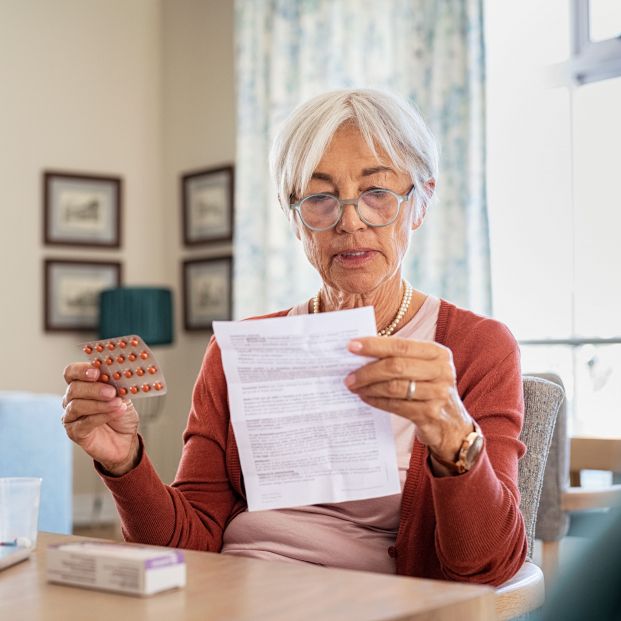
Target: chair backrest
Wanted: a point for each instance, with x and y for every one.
(33, 443)
(552, 521)
(542, 400)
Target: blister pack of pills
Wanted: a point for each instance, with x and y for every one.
(127, 363)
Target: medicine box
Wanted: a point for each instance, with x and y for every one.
(124, 568)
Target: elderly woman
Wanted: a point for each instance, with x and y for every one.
(355, 172)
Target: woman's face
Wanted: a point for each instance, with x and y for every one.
(353, 257)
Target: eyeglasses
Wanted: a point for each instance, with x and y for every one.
(375, 207)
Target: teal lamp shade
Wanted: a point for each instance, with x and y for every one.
(145, 311)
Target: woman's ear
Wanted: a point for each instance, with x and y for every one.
(430, 188)
(295, 224)
(421, 210)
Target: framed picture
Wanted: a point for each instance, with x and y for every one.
(71, 294)
(81, 210)
(207, 205)
(207, 291)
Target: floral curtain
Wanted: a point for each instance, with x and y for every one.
(430, 51)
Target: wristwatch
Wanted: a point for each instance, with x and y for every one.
(468, 453)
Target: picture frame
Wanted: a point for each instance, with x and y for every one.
(207, 291)
(207, 205)
(71, 292)
(81, 210)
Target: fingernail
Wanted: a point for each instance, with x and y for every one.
(121, 407)
(108, 391)
(355, 346)
(350, 380)
(92, 373)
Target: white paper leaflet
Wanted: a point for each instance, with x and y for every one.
(303, 437)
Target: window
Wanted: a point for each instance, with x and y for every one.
(604, 20)
(553, 140)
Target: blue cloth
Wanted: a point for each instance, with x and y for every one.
(33, 443)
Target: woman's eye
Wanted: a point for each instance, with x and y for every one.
(319, 199)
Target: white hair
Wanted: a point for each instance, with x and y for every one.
(385, 121)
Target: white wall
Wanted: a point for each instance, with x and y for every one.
(199, 132)
(141, 89)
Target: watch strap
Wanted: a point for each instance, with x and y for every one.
(464, 460)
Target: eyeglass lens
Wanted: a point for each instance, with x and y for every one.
(375, 207)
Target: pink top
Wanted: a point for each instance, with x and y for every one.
(352, 535)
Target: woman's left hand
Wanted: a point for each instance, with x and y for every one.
(416, 380)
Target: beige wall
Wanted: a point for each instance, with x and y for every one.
(141, 89)
(199, 131)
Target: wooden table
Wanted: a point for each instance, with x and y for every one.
(230, 588)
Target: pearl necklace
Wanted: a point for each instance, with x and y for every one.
(403, 309)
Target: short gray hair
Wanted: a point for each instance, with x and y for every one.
(385, 121)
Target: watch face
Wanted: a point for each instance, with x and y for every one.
(474, 450)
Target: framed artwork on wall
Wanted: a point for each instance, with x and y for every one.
(71, 293)
(207, 291)
(81, 210)
(207, 205)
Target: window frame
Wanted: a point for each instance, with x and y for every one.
(589, 61)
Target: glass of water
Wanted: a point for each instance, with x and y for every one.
(19, 511)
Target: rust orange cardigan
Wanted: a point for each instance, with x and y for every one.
(467, 528)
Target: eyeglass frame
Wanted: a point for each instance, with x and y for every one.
(402, 198)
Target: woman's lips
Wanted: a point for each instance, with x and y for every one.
(354, 258)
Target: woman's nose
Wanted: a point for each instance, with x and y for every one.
(350, 221)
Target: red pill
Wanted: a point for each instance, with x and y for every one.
(146, 388)
(120, 359)
(134, 342)
(123, 345)
(133, 390)
(128, 373)
(116, 375)
(139, 371)
(97, 363)
(152, 370)
(111, 345)
(132, 357)
(109, 360)
(144, 355)
(88, 350)
(99, 347)
(104, 377)
(122, 392)
(158, 386)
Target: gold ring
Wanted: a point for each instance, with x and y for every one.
(411, 390)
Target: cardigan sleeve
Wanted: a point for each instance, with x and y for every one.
(192, 512)
(480, 535)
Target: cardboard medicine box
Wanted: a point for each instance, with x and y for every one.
(123, 568)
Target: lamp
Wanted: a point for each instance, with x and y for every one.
(145, 311)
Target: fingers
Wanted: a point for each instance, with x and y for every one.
(83, 408)
(398, 389)
(82, 427)
(382, 347)
(421, 413)
(83, 371)
(97, 391)
(416, 411)
(397, 368)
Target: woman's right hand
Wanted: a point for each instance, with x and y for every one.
(96, 419)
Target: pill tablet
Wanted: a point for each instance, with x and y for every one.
(123, 368)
